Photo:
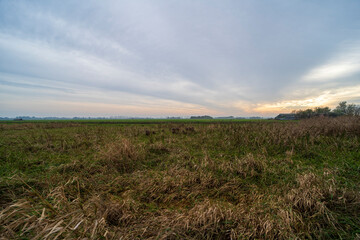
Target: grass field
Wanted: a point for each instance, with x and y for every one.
(138, 121)
(180, 179)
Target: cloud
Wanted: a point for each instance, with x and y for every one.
(62, 66)
(340, 66)
(325, 98)
(226, 58)
(85, 104)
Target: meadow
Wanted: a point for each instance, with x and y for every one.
(180, 179)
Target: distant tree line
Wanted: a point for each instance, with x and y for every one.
(201, 117)
(342, 109)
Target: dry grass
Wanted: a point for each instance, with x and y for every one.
(120, 155)
(255, 216)
(295, 180)
(248, 166)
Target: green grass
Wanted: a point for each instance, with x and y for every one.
(137, 121)
(180, 179)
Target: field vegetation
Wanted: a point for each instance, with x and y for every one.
(181, 180)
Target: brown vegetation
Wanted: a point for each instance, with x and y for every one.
(284, 180)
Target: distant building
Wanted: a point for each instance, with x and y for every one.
(286, 116)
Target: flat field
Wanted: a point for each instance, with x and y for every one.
(180, 179)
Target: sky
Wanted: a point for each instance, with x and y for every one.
(177, 58)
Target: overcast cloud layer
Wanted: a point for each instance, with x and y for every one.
(165, 58)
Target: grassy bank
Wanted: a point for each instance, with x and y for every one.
(181, 180)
